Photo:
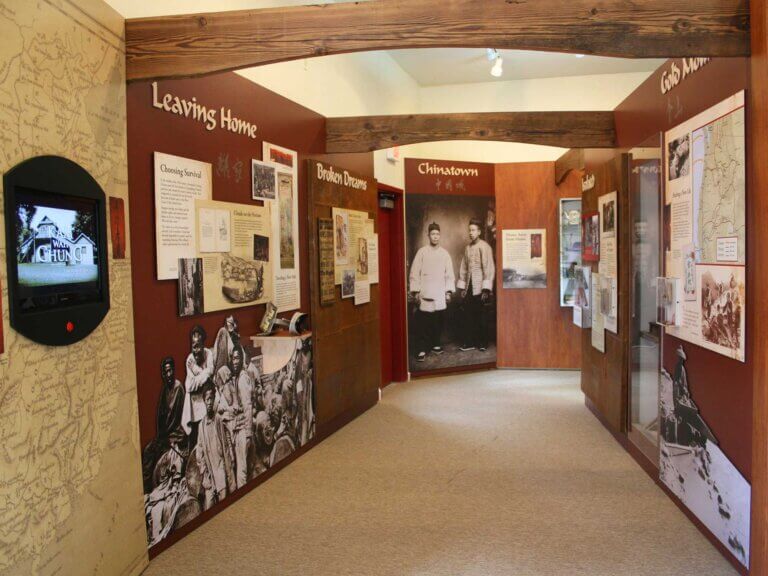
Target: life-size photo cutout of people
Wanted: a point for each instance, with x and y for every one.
(226, 424)
(451, 281)
(694, 466)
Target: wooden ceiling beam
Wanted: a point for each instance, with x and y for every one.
(198, 44)
(563, 129)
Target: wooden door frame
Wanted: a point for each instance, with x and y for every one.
(398, 287)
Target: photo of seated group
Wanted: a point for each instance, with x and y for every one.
(227, 423)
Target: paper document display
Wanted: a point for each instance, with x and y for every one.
(178, 183)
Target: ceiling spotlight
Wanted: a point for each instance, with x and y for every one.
(496, 70)
(492, 54)
(579, 55)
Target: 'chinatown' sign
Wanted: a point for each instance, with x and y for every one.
(437, 170)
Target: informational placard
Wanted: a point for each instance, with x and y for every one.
(582, 313)
(608, 209)
(362, 292)
(179, 182)
(706, 202)
(598, 326)
(240, 277)
(285, 227)
(373, 258)
(349, 226)
(326, 264)
(524, 258)
(570, 248)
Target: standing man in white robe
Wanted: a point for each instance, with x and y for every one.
(432, 282)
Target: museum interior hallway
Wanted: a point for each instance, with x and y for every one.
(494, 473)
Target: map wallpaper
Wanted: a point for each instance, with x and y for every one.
(70, 478)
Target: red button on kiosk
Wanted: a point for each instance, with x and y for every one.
(70, 327)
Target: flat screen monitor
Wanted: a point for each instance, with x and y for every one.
(56, 230)
(56, 248)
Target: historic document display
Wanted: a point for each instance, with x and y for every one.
(524, 258)
(706, 198)
(285, 227)
(178, 183)
(326, 265)
(608, 267)
(240, 277)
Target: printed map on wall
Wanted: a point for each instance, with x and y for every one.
(70, 488)
(706, 198)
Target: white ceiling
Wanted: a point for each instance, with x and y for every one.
(440, 66)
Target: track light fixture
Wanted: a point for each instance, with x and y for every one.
(498, 62)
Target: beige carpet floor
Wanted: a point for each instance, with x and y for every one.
(498, 473)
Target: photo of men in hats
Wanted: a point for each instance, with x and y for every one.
(450, 245)
(432, 283)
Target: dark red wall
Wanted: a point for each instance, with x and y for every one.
(722, 387)
(158, 329)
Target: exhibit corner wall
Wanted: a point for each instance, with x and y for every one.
(720, 387)
(534, 331)
(160, 331)
(70, 481)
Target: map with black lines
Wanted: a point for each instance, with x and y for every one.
(719, 184)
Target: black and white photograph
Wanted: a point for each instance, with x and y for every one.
(226, 424)
(679, 157)
(362, 256)
(608, 296)
(55, 245)
(722, 302)
(695, 469)
(667, 301)
(451, 244)
(348, 283)
(191, 287)
(582, 276)
(261, 248)
(264, 181)
(609, 218)
(242, 280)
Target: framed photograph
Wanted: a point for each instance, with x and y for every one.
(263, 181)
(325, 264)
(191, 287)
(348, 283)
(667, 301)
(590, 237)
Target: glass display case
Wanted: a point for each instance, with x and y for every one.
(645, 333)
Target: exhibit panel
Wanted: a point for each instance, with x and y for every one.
(705, 364)
(70, 478)
(347, 332)
(451, 238)
(224, 189)
(604, 375)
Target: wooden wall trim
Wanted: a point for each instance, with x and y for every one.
(195, 44)
(757, 204)
(563, 129)
(571, 160)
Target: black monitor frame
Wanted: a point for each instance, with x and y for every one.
(63, 322)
